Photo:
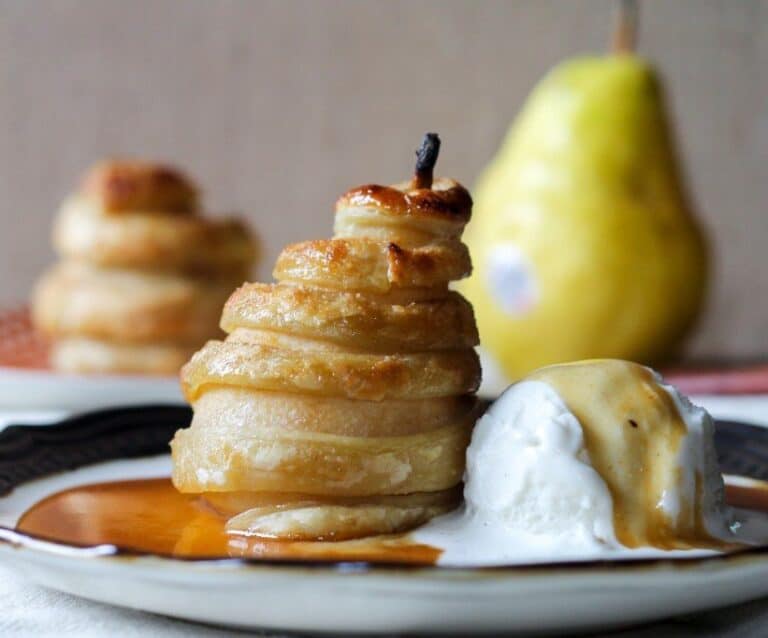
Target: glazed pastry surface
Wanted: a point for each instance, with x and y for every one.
(78, 354)
(130, 185)
(148, 240)
(124, 305)
(143, 274)
(342, 401)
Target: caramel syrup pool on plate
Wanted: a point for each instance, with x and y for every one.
(151, 516)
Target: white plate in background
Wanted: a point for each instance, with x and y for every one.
(46, 390)
(28, 383)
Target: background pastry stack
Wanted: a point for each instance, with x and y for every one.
(342, 401)
(143, 275)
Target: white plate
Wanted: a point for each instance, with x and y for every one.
(27, 382)
(43, 390)
(356, 597)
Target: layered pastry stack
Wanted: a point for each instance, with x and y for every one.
(143, 274)
(342, 401)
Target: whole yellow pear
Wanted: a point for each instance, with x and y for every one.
(583, 240)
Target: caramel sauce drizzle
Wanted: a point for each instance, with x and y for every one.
(151, 516)
(633, 439)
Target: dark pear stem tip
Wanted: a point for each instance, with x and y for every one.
(426, 158)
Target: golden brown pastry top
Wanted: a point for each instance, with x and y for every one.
(446, 199)
(144, 215)
(408, 214)
(129, 185)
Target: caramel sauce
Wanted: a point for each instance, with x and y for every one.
(151, 516)
(633, 433)
(748, 497)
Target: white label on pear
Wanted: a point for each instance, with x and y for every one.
(511, 279)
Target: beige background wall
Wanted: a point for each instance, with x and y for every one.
(277, 107)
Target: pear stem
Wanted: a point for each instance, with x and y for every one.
(625, 28)
(426, 157)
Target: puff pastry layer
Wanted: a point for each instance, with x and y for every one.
(83, 354)
(143, 275)
(342, 401)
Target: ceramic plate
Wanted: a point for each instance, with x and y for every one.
(342, 596)
(27, 381)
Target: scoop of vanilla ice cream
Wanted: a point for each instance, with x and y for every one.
(697, 455)
(528, 469)
(584, 460)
